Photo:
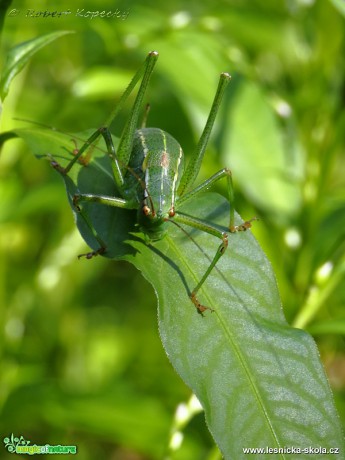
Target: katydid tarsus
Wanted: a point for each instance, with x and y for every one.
(148, 171)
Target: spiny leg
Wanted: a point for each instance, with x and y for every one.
(102, 199)
(77, 153)
(145, 117)
(194, 164)
(126, 142)
(102, 246)
(223, 236)
(146, 68)
(204, 186)
(196, 223)
(121, 160)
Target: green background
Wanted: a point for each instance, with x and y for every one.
(81, 359)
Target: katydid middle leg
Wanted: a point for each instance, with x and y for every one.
(223, 173)
(78, 199)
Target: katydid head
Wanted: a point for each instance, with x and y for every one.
(153, 226)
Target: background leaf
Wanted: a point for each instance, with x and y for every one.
(18, 56)
(273, 183)
(339, 5)
(3, 8)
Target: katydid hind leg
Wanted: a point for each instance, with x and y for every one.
(122, 156)
(128, 133)
(194, 164)
(126, 142)
(146, 115)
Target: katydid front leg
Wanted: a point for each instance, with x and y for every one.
(210, 229)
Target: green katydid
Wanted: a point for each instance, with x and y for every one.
(148, 171)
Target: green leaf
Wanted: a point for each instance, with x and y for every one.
(4, 5)
(6, 136)
(101, 82)
(254, 150)
(335, 326)
(339, 5)
(119, 414)
(19, 55)
(260, 381)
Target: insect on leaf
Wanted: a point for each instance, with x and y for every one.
(259, 380)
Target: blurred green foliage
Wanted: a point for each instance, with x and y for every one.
(80, 356)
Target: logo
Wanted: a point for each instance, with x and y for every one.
(20, 445)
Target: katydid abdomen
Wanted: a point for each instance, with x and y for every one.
(157, 158)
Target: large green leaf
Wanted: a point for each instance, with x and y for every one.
(19, 55)
(253, 148)
(339, 4)
(260, 381)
